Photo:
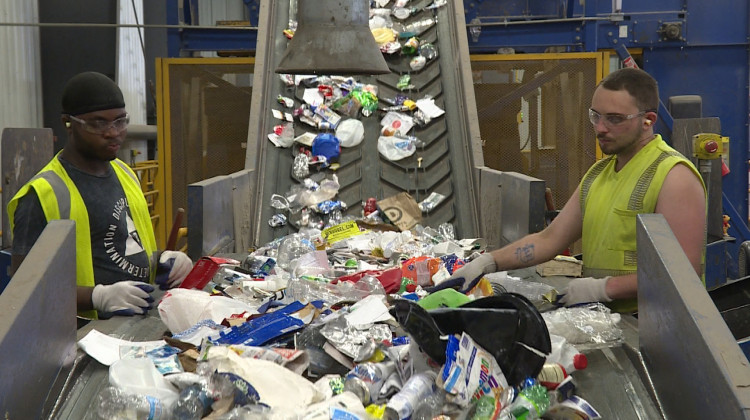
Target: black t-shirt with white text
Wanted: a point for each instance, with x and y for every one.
(116, 248)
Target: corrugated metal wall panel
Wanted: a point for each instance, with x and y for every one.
(20, 66)
(131, 73)
(210, 12)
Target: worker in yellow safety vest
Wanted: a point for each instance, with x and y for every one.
(641, 174)
(116, 257)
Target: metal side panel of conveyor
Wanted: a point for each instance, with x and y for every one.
(697, 368)
(446, 162)
(38, 325)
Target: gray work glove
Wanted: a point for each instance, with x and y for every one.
(585, 290)
(467, 276)
(125, 298)
(174, 266)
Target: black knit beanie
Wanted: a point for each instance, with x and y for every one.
(89, 92)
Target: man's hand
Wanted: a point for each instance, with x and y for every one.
(174, 266)
(125, 298)
(467, 276)
(584, 290)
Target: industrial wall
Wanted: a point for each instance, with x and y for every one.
(76, 45)
(20, 69)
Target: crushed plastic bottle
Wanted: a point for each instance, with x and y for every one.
(532, 402)
(193, 403)
(293, 247)
(430, 407)
(112, 403)
(485, 408)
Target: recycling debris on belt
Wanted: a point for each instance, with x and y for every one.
(345, 318)
(339, 323)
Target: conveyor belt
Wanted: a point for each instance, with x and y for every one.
(452, 148)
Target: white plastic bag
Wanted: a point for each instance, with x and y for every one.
(350, 132)
(140, 376)
(180, 309)
(396, 148)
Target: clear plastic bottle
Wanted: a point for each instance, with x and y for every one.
(111, 403)
(566, 355)
(193, 403)
(430, 406)
(293, 247)
(531, 403)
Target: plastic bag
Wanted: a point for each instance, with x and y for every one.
(140, 376)
(587, 327)
(326, 190)
(531, 290)
(396, 148)
(350, 132)
(180, 309)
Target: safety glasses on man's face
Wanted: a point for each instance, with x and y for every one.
(103, 126)
(611, 120)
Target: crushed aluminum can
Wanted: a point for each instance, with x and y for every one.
(277, 220)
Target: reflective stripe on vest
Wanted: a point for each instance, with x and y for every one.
(60, 199)
(61, 192)
(589, 179)
(635, 202)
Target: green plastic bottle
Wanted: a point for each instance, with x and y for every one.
(531, 403)
(485, 408)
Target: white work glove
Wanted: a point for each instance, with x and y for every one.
(585, 290)
(125, 298)
(174, 266)
(467, 276)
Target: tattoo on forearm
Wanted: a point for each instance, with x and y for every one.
(525, 253)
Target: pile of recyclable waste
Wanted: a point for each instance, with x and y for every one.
(346, 318)
(302, 328)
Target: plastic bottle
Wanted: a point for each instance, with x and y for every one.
(193, 403)
(552, 374)
(291, 248)
(485, 408)
(530, 404)
(111, 403)
(566, 355)
(430, 407)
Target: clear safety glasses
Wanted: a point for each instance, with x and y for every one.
(103, 126)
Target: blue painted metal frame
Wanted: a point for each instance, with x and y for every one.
(702, 60)
(183, 41)
(709, 57)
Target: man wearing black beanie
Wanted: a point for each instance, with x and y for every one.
(116, 255)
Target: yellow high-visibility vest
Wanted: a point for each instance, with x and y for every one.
(610, 202)
(60, 199)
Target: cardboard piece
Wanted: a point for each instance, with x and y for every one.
(561, 266)
(402, 210)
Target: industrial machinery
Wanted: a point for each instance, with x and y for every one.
(675, 41)
(633, 381)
